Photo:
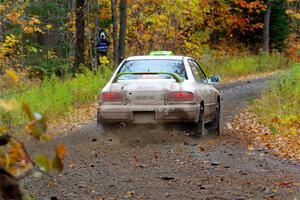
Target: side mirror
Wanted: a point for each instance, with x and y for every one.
(215, 79)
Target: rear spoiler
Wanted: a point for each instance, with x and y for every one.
(178, 78)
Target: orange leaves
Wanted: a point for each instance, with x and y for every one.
(60, 151)
(242, 24)
(253, 6)
(243, 17)
(293, 50)
(237, 22)
(104, 13)
(14, 17)
(32, 25)
(58, 161)
(34, 21)
(14, 158)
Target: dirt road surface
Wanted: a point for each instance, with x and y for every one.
(151, 162)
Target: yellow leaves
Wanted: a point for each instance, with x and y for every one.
(2, 8)
(129, 194)
(250, 147)
(8, 50)
(71, 25)
(104, 60)
(46, 137)
(51, 54)
(12, 75)
(3, 129)
(9, 105)
(289, 124)
(293, 14)
(10, 40)
(49, 26)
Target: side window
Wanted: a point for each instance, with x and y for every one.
(194, 70)
(197, 71)
(200, 70)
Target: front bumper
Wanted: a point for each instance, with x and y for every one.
(148, 113)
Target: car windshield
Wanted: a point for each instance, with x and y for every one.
(169, 66)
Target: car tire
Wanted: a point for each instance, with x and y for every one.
(216, 123)
(199, 127)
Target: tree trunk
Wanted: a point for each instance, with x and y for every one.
(266, 32)
(115, 31)
(1, 31)
(123, 24)
(79, 55)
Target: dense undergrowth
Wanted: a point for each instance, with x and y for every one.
(279, 106)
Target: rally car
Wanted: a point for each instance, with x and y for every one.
(161, 89)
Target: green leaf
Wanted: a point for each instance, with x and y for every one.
(274, 130)
(43, 162)
(32, 49)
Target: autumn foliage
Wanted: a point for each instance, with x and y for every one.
(30, 36)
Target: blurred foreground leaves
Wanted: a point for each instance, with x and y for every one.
(14, 158)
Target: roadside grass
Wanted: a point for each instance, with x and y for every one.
(230, 68)
(279, 106)
(56, 98)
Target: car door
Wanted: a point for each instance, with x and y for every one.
(205, 89)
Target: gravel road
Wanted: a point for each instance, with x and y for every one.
(151, 162)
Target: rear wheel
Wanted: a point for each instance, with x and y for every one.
(215, 125)
(199, 128)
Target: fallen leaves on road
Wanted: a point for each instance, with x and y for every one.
(202, 148)
(246, 125)
(81, 116)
